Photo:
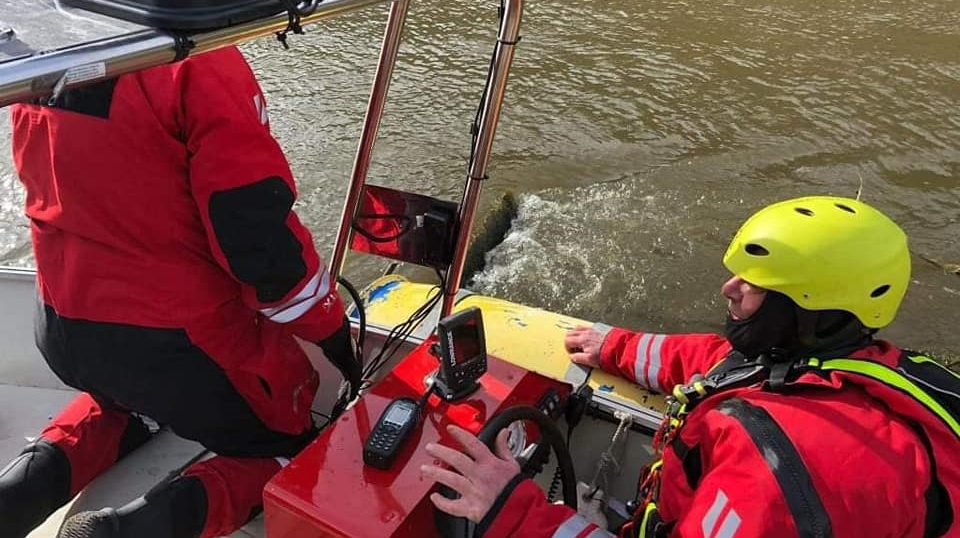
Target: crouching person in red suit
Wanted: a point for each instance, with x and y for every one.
(173, 276)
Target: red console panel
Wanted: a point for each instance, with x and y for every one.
(327, 491)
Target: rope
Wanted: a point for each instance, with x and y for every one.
(609, 459)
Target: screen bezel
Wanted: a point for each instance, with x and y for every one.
(445, 331)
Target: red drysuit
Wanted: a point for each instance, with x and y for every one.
(826, 458)
(174, 273)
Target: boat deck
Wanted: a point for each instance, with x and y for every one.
(22, 409)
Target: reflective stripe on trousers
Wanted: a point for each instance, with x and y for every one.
(577, 526)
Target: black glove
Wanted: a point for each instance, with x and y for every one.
(342, 353)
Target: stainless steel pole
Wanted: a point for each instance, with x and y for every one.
(368, 135)
(503, 58)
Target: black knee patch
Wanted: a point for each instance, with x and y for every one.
(33, 486)
(250, 224)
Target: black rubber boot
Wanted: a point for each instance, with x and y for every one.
(32, 486)
(176, 509)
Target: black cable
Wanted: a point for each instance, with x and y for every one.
(426, 395)
(404, 227)
(293, 22)
(555, 484)
(475, 127)
(324, 416)
(346, 396)
(358, 303)
(400, 333)
(558, 473)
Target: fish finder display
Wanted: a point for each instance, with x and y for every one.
(463, 353)
(466, 343)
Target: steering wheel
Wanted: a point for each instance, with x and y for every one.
(459, 527)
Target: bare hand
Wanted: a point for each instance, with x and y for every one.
(482, 474)
(583, 344)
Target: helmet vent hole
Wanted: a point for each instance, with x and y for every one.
(880, 291)
(756, 250)
(846, 208)
(804, 211)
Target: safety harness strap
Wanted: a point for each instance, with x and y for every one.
(784, 462)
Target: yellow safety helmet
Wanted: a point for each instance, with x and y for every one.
(825, 253)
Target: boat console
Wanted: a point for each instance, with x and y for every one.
(328, 490)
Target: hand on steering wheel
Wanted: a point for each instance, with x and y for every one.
(480, 474)
(465, 499)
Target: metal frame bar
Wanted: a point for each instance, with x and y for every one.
(507, 38)
(36, 76)
(503, 59)
(368, 135)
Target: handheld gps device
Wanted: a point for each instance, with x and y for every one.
(388, 436)
(462, 351)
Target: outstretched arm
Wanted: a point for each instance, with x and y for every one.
(655, 361)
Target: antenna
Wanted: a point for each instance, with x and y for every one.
(860, 188)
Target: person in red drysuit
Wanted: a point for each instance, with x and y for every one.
(173, 276)
(791, 449)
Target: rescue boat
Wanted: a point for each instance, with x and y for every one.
(329, 490)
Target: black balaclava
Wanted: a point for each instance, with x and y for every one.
(773, 325)
(780, 323)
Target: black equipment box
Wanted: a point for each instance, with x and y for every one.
(186, 15)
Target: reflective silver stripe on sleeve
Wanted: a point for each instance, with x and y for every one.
(640, 363)
(599, 533)
(730, 523)
(729, 526)
(709, 521)
(572, 527)
(316, 289)
(646, 368)
(653, 374)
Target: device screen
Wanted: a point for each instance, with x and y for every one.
(397, 415)
(466, 343)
